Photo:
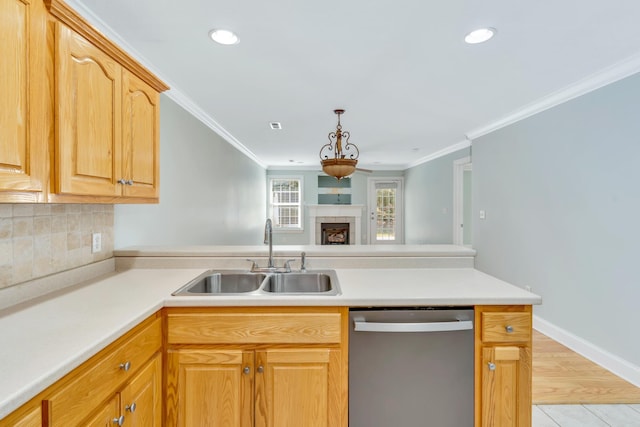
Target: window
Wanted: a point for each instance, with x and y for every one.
(285, 204)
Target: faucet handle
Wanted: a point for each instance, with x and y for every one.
(254, 265)
(287, 265)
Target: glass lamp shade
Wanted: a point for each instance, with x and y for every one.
(339, 168)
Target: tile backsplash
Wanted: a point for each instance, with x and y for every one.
(41, 239)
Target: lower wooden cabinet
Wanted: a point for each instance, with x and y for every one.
(29, 415)
(107, 415)
(503, 366)
(138, 404)
(244, 388)
(287, 383)
(141, 399)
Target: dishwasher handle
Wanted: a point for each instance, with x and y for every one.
(456, 325)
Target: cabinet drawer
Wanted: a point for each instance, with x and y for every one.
(506, 327)
(98, 379)
(254, 328)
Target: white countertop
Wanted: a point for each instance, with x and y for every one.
(44, 340)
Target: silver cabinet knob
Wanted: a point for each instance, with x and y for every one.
(122, 181)
(509, 329)
(260, 369)
(119, 421)
(130, 182)
(492, 366)
(125, 366)
(131, 408)
(246, 370)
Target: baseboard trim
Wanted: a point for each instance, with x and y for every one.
(622, 368)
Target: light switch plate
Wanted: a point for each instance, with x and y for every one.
(96, 242)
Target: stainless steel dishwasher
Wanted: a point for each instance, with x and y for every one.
(411, 367)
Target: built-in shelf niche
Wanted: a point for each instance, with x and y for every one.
(334, 192)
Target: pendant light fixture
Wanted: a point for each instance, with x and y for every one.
(339, 157)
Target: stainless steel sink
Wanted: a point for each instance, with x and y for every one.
(313, 282)
(239, 282)
(223, 282)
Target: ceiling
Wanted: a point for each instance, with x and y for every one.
(409, 84)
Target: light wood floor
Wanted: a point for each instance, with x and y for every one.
(561, 376)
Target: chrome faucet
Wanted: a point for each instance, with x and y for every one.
(268, 240)
(303, 260)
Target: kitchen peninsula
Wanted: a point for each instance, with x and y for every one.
(55, 340)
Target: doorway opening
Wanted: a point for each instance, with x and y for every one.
(462, 209)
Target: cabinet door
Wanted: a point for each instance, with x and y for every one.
(88, 117)
(29, 418)
(141, 399)
(210, 388)
(506, 385)
(140, 128)
(294, 387)
(105, 416)
(23, 101)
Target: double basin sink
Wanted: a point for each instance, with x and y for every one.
(238, 282)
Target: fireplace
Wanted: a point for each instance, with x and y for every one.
(335, 214)
(335, 233)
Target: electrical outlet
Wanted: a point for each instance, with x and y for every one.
(96, 242)
(483, 214)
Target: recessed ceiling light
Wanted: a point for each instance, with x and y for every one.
(480, 35)
(224, 37)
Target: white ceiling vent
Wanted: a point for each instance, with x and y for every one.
(275, 125)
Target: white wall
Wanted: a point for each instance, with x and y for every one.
(429, 200)
(210, 193)
(560, 191)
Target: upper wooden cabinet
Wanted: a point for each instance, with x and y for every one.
(140, 137)
(23, 101)
(88, 117)
(80, 117)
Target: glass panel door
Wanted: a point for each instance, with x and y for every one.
(385, 211)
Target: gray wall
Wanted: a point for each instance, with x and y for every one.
(560, 191)
(358, 197)
(429, 200)
(210, 193)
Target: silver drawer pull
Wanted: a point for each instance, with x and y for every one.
(509, 329)
(119, 421)
(131, 408)
(492, 366)
(246, 370)
(260, 369)
(125, 366)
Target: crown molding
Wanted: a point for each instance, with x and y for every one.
(604, 77)
(448, 150)
(185, 102)
(174, 94)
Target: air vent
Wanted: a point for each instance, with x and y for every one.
(275, 125)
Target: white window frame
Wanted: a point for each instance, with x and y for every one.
(277, 228)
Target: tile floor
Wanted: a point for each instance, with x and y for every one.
(586, 416)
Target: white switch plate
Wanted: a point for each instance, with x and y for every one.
(483, 214)
(96, 242)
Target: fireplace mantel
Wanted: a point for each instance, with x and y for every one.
(340, 213)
